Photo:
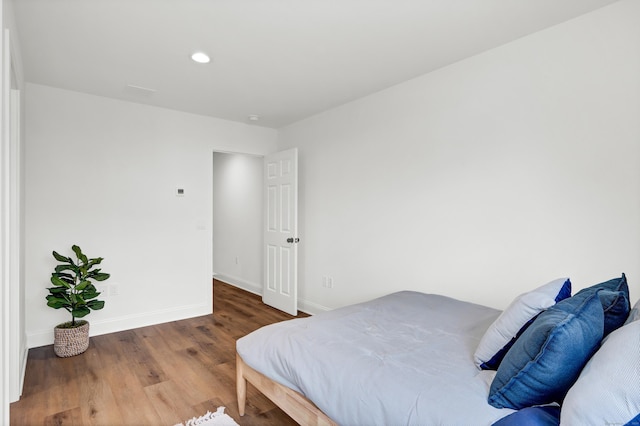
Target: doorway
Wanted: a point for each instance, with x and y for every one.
(237, 220)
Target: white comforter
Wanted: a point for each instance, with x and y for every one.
(402, 359)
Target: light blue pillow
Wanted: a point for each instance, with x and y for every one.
(634, 313)
(616, 310)
(547, 359)
(504, 331)
(608, 389)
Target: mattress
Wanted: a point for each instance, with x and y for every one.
(402, 359)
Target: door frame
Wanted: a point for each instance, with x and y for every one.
(251, 287)
(257, 288)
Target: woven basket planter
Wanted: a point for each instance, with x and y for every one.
(71, 341)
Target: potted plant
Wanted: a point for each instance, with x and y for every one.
(74, 291)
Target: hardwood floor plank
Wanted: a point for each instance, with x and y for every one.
(72, 417)
(169, 402)
(131, 399)
(157, 375)
(96, 397)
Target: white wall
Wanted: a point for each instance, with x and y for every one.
(237, 220)
(483, 179)
(102, 174)
(13, 354)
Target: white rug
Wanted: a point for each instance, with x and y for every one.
(219, 418)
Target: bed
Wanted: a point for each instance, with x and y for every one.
(406, 358)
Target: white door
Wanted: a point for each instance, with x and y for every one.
(281, 231)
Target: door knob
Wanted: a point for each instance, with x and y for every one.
(293, 240)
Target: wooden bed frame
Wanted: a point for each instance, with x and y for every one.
(291, 402)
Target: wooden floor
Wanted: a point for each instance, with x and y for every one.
(158, 375)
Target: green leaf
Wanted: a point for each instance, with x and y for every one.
(79, 312)
(95, 304)
(58, 290)
(90, 294)
(61, 258)
(70, 281)
(56, 302)
(63, 275)
(91, 264)
(76, 249)
(59, 282)
(101, 276)
(83, 285)
(61, 268)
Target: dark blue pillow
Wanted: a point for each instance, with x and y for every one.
(634, 421)
(616, 309)
(547, 359)
(532, 416)
(615, 284)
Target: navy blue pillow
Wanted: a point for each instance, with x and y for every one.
(532, 416)
(547, 359)
(634, 421)
(616, 309)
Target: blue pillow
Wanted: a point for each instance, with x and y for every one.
(616, 310)
(547, 359)
(615, 284)
(548, 415)
(634, 421)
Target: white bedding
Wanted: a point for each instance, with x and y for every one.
(402, 359)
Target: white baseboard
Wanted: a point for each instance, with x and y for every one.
(306, 306)
(310, 307)
(249, 286)
(127, 322)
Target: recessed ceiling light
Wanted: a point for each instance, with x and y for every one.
(201, 57)
(253, 117)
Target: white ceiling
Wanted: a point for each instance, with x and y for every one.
(283, 60)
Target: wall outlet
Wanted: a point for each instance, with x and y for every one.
(327, 282)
